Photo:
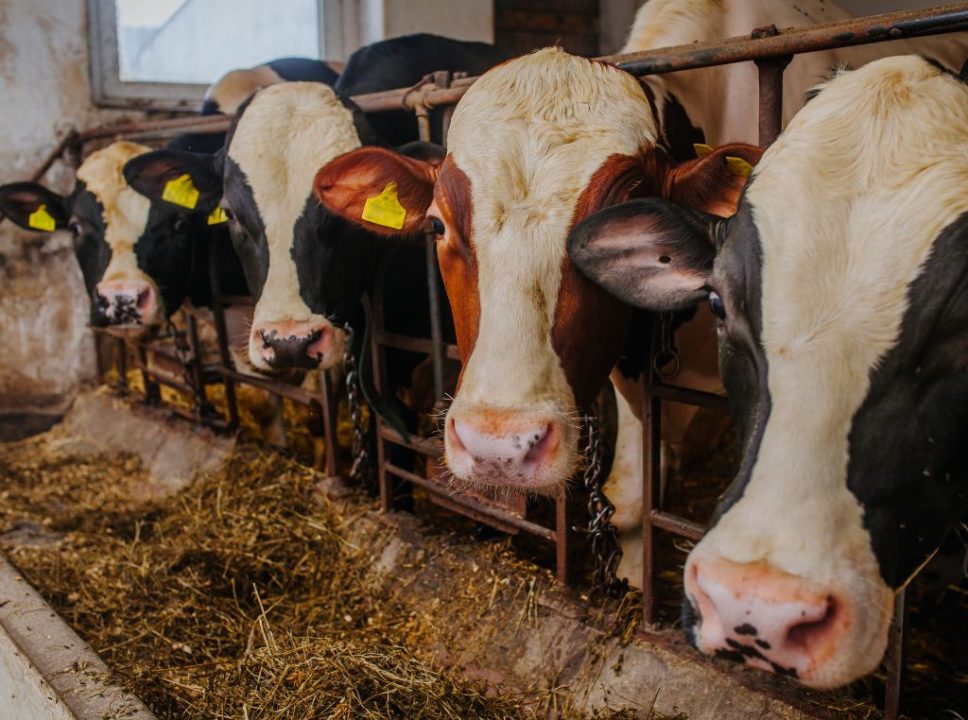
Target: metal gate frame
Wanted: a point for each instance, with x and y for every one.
(771, 49)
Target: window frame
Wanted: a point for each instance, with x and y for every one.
(108, 90)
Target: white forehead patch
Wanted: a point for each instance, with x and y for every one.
(125, 211)
(529, 135)
(285, 135)
(848, 204)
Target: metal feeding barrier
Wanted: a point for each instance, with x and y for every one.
(771, 50)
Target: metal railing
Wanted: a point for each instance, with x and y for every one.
(771, 49)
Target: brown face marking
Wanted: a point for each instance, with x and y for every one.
(455, 253)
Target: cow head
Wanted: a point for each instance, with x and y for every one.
(135, 255)
(534, 146)
(842, 291)
(306, 268)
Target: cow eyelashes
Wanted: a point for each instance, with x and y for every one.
(436, 225)
(716, 305)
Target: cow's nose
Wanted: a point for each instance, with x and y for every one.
(125, 302)
(502, 448)
(293, 345)
(770, 619)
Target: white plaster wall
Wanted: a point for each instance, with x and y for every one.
(44, 91)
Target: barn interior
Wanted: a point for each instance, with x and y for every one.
(165, 553)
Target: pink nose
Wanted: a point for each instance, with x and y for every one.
(125, 302)
(768, 618)
(293, 344)
(499, 448)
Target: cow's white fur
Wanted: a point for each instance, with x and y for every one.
(552, 119)
(235, 87)
(282, 139)
(722, 100)
(848, 203)
(125, 211)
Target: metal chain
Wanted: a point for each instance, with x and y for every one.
(183, 353)
(362, 469)
(604, 536)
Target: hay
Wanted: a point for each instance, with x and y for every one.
(238, 598)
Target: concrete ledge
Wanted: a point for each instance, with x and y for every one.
(46, 671)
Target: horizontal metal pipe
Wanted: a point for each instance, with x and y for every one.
(677, 525)
(791, 41)
(469, 502)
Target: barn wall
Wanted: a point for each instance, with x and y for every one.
(45, 90)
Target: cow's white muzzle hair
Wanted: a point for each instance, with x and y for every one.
(524, 448)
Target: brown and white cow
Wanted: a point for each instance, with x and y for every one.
(535, 145)
(841, 288)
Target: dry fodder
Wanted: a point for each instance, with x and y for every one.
(238, 598)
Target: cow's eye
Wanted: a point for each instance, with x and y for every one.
(716, 305)
(436, 225)
(228, 213)
(180, 224)
(77, 230)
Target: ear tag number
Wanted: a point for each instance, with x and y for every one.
(217, 216)
(702, 149)
(181, 191)
(738, 166)
(385, 209)
(40, 219)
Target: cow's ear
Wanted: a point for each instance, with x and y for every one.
(648, 253)
(713, 183)
(379, 189)
(185, 179)
(34, 207)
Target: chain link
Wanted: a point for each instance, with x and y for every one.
(362, 469)
(183, 353)
(603, 535)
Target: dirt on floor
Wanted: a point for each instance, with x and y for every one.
(241, 597)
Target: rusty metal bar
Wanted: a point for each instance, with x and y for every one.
(222, 335)
(489, 511)
(798, 40)
(651, 491)
(894, 659)
(688, 396)
(413, 344)
(327, 405)
(677, 525)
(425, 446)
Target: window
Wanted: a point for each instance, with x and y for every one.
(162, 54)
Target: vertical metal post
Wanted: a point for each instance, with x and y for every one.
(562, 539)
(894, 659)
(327, 402)
(122, 365)
(771, 90)
(384, 479)
(201, 397)
(222, 335)
(651, 481)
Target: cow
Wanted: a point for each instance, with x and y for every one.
(535, 145)
(841, 292)
(226, 95)
(306, 267)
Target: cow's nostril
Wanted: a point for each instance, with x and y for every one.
(541, 443)
(807, 634)
(144, 298)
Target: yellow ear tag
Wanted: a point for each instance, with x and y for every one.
(217, 216)
(738, 166)
(181, 191)
(702, 149)
(385, 209)
(40, 219)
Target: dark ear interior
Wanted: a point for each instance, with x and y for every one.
(33, 207)
(427, 151)
(650, 253)
(151, 174)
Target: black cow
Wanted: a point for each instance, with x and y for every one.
(841, 288)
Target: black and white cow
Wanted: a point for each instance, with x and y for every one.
(307, 267)
(841, 288)
(136, 256)
(235, 87)
(140, 259)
